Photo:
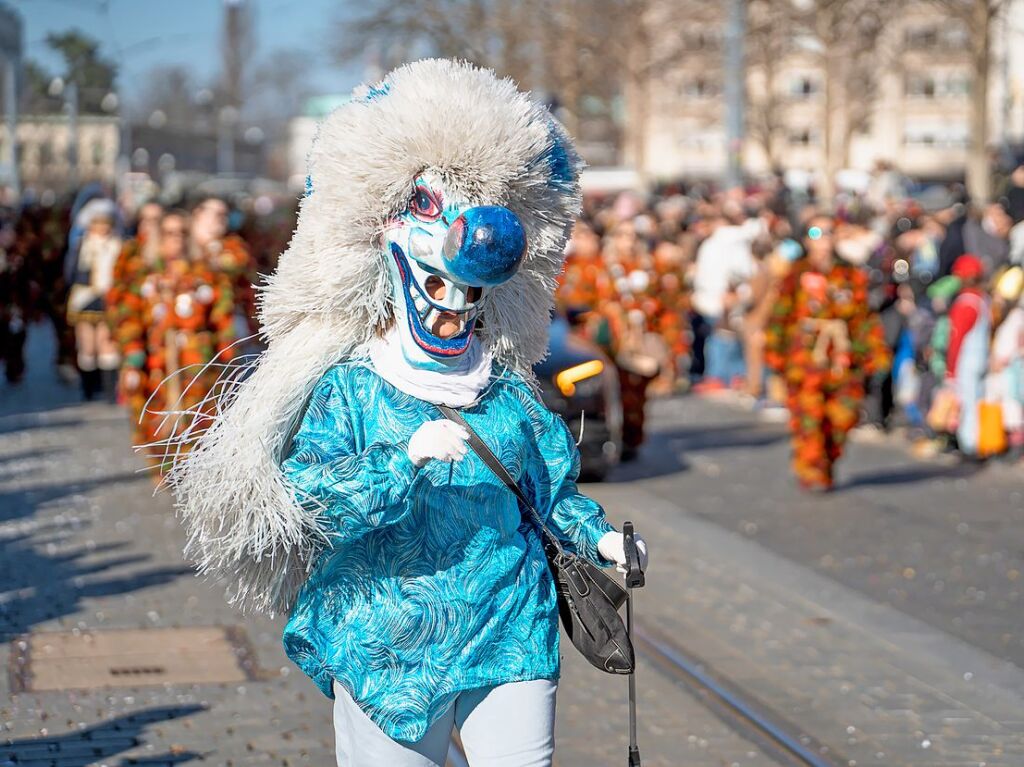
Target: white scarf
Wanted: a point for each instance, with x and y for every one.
(456, 387)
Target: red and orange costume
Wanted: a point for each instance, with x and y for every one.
(173, 316)
(824, 341)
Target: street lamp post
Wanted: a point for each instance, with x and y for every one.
(71, 103)
(11, 112)
(227, 119)
(735, 90)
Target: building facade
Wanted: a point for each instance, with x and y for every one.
(45, 160)
(913, 110)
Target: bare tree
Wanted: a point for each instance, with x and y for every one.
(278, 89)
(171, 90)
(579, 53)
(979, 18)
(645, 38)
(769, 40)
(845, 37)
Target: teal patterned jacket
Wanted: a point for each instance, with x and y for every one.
(433, 583)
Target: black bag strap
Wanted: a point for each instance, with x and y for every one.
(495, 465)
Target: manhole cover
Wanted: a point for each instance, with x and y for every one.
(130, 658)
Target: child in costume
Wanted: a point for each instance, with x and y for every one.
(92, 270)
(421, 273)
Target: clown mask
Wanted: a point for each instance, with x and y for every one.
(444, 254)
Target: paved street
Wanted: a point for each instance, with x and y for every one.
(882, 622)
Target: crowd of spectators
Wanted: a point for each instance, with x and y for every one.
(687, 290)
(902, 309)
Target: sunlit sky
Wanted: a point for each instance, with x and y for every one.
(141, 34)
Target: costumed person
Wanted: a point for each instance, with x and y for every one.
(227, 254)
(93, 276)
(824, 341)
(1006, 367)
(139, 254)
(330, 486)
(16, 301)
(142, 250)
(967, 357)
(175, 315)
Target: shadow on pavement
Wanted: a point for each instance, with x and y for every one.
(664, 452)
(46, 576)
(11, 423)
(906, 475)
(24, 502)
(100, 741)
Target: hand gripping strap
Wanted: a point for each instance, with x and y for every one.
(495, 465)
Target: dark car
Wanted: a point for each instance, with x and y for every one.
(582, 385)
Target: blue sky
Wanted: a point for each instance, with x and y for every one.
(158, 32)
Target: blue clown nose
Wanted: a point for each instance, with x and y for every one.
(484, 246)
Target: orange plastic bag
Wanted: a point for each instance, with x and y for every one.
(991, 434)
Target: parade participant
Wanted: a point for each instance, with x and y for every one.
(824, 341)
(138, 255)
(968, 353)
(626, 310)
(93, 276)
(143, 249)
(421, 273)
(15, 300)
(228, 254)
(1005, 382)
(176, 315)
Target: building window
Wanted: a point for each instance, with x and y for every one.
(936, 135)
(703, 40)
(950, 85)
(804, 87)
(950, 35)
(802, 137)
(954, 36)
(956, 86)
(922, 38)
(97, 152)
(45, 152)
(921, 86)
(701, 88)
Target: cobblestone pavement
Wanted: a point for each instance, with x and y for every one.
(84, 545)
(883, 620)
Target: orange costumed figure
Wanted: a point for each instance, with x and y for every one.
(177, 316)
(824, 341)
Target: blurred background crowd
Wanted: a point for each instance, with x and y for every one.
(889, 309)
(812, 208)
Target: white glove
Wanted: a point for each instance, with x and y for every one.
(443, 440)
(613, 546)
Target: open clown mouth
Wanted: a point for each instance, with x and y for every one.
(437, 329)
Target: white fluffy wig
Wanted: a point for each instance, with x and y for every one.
(492, 145)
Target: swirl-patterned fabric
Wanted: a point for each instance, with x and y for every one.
(433, 583)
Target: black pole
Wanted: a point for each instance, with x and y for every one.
(634, 579)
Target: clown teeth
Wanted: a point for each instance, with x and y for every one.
(434, 315)
(421, 303)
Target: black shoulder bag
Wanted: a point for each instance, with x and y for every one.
(588, 600)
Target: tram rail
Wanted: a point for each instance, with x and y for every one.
(746, 716)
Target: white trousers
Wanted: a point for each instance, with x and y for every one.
(511, 725)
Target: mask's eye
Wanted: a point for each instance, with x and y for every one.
(474, 294)
(424, 205)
